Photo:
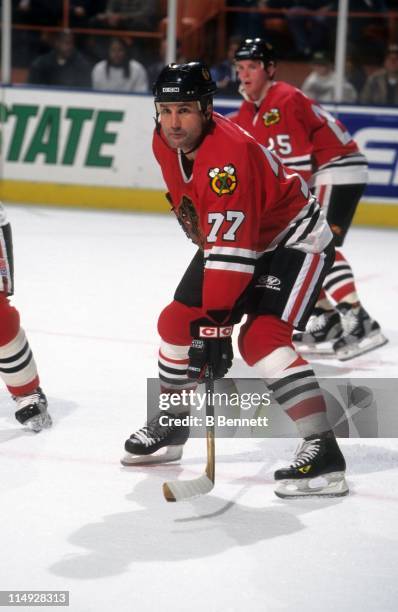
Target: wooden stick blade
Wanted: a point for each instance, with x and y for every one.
(183, 490)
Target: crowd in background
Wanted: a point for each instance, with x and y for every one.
(303, 32)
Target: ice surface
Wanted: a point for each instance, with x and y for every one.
(89, 287)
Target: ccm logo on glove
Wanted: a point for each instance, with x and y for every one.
(215, 332)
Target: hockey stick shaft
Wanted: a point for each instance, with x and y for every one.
(210, 437)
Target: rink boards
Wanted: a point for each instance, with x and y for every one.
(89, 149)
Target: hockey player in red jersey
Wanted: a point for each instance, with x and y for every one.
(264, 250)
(310, 140)
(17, 365)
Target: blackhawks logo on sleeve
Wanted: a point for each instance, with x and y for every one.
(271, 117)
(223, 181)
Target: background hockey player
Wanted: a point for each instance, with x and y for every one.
(310, 140)
(17, 366)
(253, 223)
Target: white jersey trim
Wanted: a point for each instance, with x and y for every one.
(237, 252)
(346, 170)
(229, 266)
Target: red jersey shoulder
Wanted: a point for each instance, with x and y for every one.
(281, 91)
(226, 130)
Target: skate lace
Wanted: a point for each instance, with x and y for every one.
(316, 323)
(153, 432)
(349, 322)
(28, 400)
(306, 451)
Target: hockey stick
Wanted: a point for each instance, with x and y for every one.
(182, 490)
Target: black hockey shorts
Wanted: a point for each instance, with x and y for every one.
(339, 203)
(6, 260)
(285, 283)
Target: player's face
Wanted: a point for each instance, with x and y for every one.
(182, 123)
(253, 77)
(117, 53)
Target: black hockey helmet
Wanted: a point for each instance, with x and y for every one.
(185, 82)
(257, 49)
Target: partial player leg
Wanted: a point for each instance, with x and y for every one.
(265, 342)
(340, 325)
(19, 372)
(361, 333)
(323, 329)
(162, 439)
(17, 366)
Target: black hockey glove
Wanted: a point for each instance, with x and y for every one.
(211, 349)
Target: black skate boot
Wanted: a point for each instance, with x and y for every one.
(32, 410)
(160, 441)
(323, 328)
(317, 470)
(361, 333)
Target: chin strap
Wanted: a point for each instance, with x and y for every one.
(157, 124)
(258, 102)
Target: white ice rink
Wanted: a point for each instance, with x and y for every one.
(89, 287)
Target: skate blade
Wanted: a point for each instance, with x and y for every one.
(365, 346)
(163, 455)
(329, 485)
(39, 422)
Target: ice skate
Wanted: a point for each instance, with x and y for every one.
(361, 333)
(318, 470)
(323, 328)
(32, 410)
(160, 441)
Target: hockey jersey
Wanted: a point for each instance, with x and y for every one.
(238, 203)
(305, 136)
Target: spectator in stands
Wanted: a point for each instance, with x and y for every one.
(308, 24)
(118, 72)
(320, 83)
(31, 43)
(127, 15)
(64, 66)
(224, 74)
(382, 86)
(354, 70)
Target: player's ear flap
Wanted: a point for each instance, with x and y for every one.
(208, 111)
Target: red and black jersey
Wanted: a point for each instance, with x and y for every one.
(238, 203)
(304, 135)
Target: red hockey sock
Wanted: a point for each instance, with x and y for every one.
(17, 365)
